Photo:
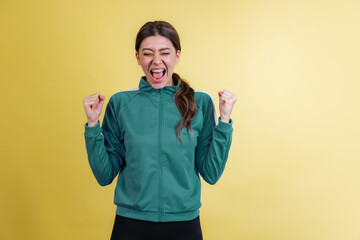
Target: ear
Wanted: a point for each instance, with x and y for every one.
(137, 57)
(177, 56)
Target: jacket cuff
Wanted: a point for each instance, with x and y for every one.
(92, 131)
(224, 125)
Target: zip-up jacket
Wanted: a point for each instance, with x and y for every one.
(158, 175)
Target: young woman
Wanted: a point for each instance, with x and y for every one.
(158, 139)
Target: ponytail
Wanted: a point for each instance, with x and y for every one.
(185, 102)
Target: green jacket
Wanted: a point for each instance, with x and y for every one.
(158, 175)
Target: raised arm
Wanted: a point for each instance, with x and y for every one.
(214, 140)
(104, 145)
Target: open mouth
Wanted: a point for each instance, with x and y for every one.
(157, 74)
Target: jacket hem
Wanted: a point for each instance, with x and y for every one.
(154, 216)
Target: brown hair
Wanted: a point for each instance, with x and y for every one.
(184, 96)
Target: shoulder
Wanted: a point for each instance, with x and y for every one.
(205, 104)
(121, 99)
(203, 99)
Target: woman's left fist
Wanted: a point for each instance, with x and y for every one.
(226, 103)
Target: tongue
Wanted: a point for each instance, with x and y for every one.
(157, 74)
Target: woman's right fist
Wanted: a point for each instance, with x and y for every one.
(93, 107)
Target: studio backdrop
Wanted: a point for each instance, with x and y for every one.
(293, 169)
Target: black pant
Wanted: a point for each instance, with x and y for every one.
(132, 229)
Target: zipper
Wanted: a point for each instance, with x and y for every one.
(160, 154)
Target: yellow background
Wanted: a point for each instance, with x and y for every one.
(293, 170)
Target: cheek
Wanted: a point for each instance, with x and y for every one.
(145, 63)
(170, 62)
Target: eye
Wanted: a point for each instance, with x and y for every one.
(165, 53)
(147, 54)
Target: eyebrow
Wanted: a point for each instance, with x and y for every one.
(148, 49)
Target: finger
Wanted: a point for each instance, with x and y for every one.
(229, 96)
(92, 103)
(227, 93)
(225, 96)
(92, 96)
(226, 100)
(91, 100)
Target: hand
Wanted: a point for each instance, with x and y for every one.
(226, 104)
(93, 107)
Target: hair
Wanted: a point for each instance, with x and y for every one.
(184, 96)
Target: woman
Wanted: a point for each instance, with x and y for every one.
(158, 138)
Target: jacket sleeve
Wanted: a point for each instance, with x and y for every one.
(105, 147)
(213, 145)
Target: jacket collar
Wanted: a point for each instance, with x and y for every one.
(146, 87)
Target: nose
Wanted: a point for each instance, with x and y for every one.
(157, 59)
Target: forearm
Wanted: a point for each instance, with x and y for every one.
(98, 157)
(213, 158)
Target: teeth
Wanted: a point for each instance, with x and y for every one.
(157, 70)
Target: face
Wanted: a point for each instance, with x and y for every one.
(157, 58)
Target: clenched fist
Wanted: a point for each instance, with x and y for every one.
(226, 103)
(93, 107)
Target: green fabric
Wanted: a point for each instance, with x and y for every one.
(158, 175)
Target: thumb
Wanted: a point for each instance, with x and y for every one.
(101, 99)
